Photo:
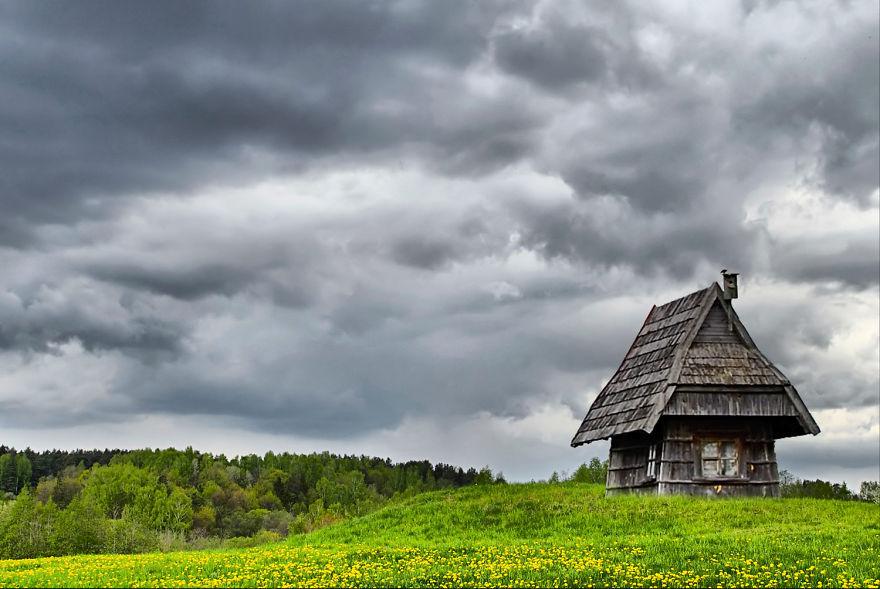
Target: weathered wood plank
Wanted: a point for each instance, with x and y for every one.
(716, 327)
(636, 458)
(734, 404)
(719, 490)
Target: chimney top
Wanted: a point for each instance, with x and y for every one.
(728, 281)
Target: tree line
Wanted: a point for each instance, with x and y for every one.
(28, 466)
(792, 486)
(112, 501)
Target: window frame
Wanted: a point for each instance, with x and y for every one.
(720, 438)
(652, 465)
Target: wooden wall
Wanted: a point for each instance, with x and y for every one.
(716, 328)
(628, 463)
(678, 438)
(742, 403)
(678, 461)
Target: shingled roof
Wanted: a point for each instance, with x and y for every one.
(674, 347)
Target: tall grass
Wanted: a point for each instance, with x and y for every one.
(527, 535)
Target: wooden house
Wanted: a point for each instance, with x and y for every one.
(695, 407)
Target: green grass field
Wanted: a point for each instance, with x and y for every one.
(563, 535)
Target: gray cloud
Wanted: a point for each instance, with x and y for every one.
(567, 55)
(109, 100)
(329, 219)
(56, 315)
(857, 263)
(182, 283)
(843, 453)
(831, 92)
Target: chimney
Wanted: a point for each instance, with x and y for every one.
(728, 281)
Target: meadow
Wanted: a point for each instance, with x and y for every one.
(524, 535)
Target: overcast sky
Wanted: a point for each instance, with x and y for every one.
(425, 229)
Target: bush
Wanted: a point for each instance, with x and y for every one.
(244, 523)
(81, 529)
(129, 536)
(170, 541)
(316, 517)
(204, 520)
(870, 491)
(790, 486)
(594, 472)
(277, 521)
(261, 537)
(200, 542)
(26, 528)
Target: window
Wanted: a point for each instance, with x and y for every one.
(653, 470)
(719, 459)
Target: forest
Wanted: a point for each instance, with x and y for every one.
(120, 501)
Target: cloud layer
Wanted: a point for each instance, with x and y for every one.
(358, 223)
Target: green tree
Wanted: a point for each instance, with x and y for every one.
(66, 489)
(594, 472)
(484, 477)
(23, 472)
(8, 478)
(114, 487)
(27, 527)
(15, 528)
(82, 528)
(178, 511)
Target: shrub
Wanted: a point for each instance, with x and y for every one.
(170, 541)
(261, 537)
(244, 523)
(870, 491)
(81, 529)
(277, 521)
(128, 535)
(594, 472)
(790, 486)
(27, 527)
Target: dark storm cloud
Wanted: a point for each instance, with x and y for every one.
(833, 92)
(421, 253)
(110, 99)
(476, 205)
(856, 264)
(54, 316)
(552, 58)
(341, 386)
(213, 276)
(561, 46)
(378, 364)
(573, 231)
(181, 283)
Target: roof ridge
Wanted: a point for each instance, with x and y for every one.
(690, 294)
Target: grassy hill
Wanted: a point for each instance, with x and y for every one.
(542, 535)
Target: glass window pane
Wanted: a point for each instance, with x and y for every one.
(710, 468)
(728, 468)
(728, 449)
(710, 449)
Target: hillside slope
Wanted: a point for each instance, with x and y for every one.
(526, 535)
